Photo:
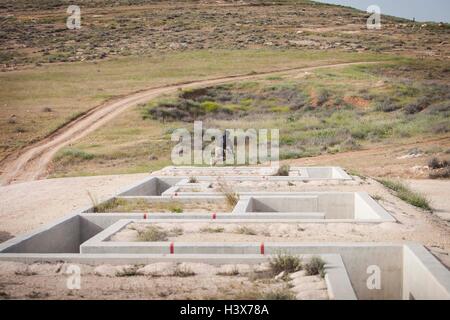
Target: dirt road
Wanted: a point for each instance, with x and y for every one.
(31, 163)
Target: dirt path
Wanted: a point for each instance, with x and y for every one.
(31, 163)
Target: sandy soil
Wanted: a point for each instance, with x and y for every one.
(154, 281)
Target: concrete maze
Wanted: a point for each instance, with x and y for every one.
(233, 215)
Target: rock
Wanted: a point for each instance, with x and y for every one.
(308, 286)
(159, 269)
(105, 270)
(197, 268)
(280, 275)
(312, 295)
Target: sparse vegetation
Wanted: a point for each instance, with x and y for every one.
(406, 194)
(285, 262)
(183, 272)
(316, 266)
(212, 230)
(175, 208)
(283, 170)
(245, 230)
(193, 180)
(153, 233)
(279, 294)
(142, 205)
(231, 197)
(440, 169)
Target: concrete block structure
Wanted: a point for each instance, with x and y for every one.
(408, 270)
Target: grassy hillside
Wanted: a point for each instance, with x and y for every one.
(326, 111)
(51, 75)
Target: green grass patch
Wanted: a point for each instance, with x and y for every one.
(406, 194)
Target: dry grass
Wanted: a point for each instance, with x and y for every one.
(406, 194)
(315, 266)
(152, 234)
(231, 197)
(285, 262)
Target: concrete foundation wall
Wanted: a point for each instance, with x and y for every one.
(152, 186)
(63, 236)
(285, 204)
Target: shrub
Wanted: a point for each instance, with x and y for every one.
(441, 127)
(285, 262)
(322, 97)
(107, 206)
(175, 208)
(316, 266)
(386, 105)
(231, 197)
(434, 163)
(283, 170)
(210, 106)
(443, 173)
(193, 180)
(152, 233)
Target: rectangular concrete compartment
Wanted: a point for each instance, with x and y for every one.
(323, 205)
(249, 173)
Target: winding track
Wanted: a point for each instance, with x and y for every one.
(31, 163)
